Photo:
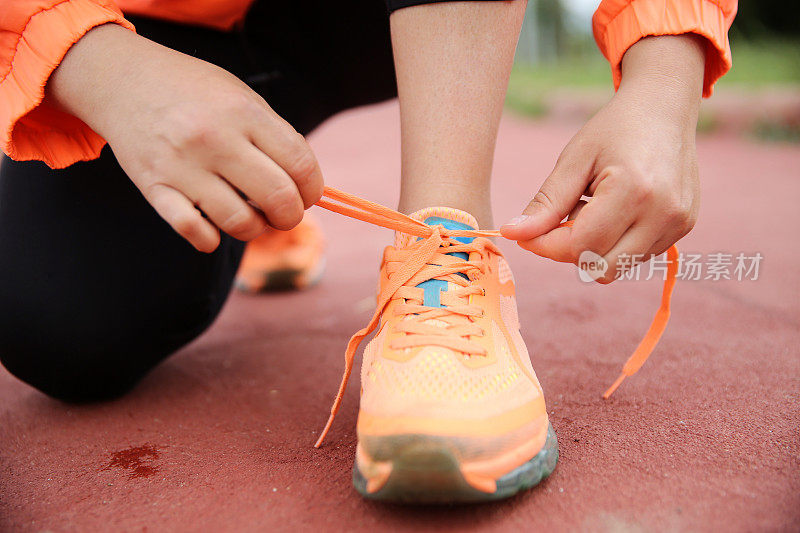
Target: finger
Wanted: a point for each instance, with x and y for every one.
(631, 249)
(557, 196)
(665, 243)
(266, 184)
(578, 208)
(226, 209)
(555, 245)
(289, 150)
(676, 228)
(180, 213)
(604, 219)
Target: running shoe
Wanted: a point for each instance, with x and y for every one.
(451, 409)
(283, 260)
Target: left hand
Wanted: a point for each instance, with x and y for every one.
(635, 158)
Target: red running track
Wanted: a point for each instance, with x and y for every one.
(706, 437)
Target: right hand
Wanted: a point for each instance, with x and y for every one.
(191, 136)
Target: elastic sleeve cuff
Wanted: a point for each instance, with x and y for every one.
(32, 129)
(619, 24)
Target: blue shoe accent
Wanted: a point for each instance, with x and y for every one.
(434, 287)
(433, 290)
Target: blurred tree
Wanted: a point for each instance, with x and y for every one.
(544, 34)
(550, 18)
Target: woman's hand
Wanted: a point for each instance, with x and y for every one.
(193, 138)
(635, 158)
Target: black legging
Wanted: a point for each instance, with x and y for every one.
(96, 289)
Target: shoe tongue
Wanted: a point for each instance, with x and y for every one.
(451, 219)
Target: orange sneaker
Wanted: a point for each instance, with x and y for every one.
(451, 409)
(283, 260)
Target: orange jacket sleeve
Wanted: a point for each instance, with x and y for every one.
(618, 24)
(34, 37)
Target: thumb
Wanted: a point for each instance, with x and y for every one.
(557, 197)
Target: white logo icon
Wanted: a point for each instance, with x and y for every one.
(591, 266)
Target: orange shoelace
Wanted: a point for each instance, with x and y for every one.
(428, 259)
(453, 326)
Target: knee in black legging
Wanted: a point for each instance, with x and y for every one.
(77, 361)
(76, 369)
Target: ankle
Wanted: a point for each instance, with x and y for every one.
(474, 201)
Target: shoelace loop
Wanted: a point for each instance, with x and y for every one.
(411, 265)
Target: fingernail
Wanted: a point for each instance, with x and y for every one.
(517, 220)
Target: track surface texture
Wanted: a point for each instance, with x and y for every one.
(219, 438)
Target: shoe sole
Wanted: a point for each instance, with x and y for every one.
(432, 475)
